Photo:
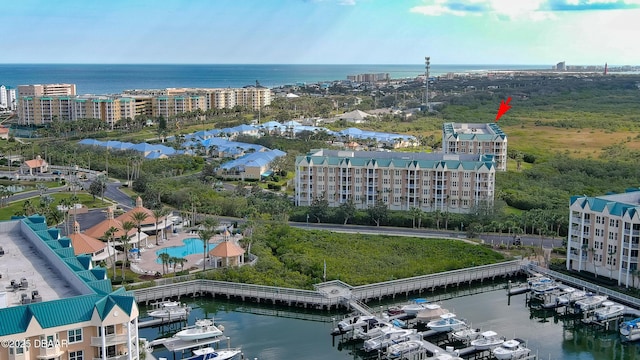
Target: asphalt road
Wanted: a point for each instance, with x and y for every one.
(114, 193)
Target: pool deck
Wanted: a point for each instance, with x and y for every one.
(147, 264)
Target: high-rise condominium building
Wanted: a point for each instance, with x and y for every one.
(47, 90)
(7, 98)
(429, 181)
(604, 235)
(476, 139)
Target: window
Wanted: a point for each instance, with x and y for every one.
(465, 202)
(465, 193)
(397, 172)
(425, 191)
(466, 175)
(74, 335)
(396, 181)
(76, 355)
(357, 188)
(357, 180)
(466, 184)
(454, 175)
(454, 192)
(385, 172)
(385, 199)
(425, 201)
(396, 199)
(454, 183)
(357, 171)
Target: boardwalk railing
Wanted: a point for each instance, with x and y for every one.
(427, 282)
(173, 289)
(581, 284)
(190, 285)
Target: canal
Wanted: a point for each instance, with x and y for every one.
(280, 333)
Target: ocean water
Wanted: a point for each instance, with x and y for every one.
(111, 79)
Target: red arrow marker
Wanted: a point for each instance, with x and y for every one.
(504, 107)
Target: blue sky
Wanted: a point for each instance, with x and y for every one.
(321, 31)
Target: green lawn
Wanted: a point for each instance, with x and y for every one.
(13, 207)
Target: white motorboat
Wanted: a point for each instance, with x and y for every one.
(210, 353)
(389, 338)
(630, 330)
(511, 349)
(430, 312)
(170, 310)
(415, 306)
(203, 329)
(536, 279)
(376, 329)
(355, 322)
(543, 286)
(570, 296)
(487, 340)
(467, 334)
(447, 322)
(405, 348)
(609, 310)
(590, 302)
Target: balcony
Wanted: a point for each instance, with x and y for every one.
(109, 340)
(119, 357)
(625, 245)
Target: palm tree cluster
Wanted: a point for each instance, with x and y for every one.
(168, 260)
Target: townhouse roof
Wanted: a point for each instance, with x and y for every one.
(399, 160)
(473, 131)
(256, 159)
(83, 243)
(627, 203)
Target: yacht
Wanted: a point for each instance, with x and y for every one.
(170, 310)
(447, 322)
(570, 296)
(203, 329)
(609, 310)
(511, 349)
(630, 330)
(389, 338)
(430, 312)
(590, 302)
(403, 349)
(467, 334)
(487, 340)
(210, 353)
(415, 306)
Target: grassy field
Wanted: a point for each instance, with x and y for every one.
(85, 199)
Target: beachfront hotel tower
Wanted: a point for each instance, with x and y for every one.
(429, 181)
(604, 235)
(54, 304)
(460, 138)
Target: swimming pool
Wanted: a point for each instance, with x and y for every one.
(191, 246)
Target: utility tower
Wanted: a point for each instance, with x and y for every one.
(427, 65)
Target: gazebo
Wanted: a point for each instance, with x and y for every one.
(232, 254)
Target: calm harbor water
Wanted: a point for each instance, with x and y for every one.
(276, 333)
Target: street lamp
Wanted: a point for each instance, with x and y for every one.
(427, 66)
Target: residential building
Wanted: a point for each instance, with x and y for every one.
(483, 139)
(604, 234)
(429, 181)
(47, 90)
(42, 110)
(253, 97)
(7, 98)
(60, 306)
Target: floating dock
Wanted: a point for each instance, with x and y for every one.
(159, 322)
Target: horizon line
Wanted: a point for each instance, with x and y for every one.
(310, 64)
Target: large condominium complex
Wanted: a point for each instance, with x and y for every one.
(476, 139)
(56, 305)
(604, 235)
(429, 181)
(47, 90)
(42, 109)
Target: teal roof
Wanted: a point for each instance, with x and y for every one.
(598, 204)
(399, 163)
(55, 313)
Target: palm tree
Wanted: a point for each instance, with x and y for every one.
(138, 218)
(108, 236)
(210, 224)
(415, 213)
(180, 261)
(126, 227)
(158, 214)
(164, 258)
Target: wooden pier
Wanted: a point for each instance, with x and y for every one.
(328, 295)
(160, 322)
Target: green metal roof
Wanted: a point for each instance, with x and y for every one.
(56, 313)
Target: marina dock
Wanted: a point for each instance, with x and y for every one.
(160, 322)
